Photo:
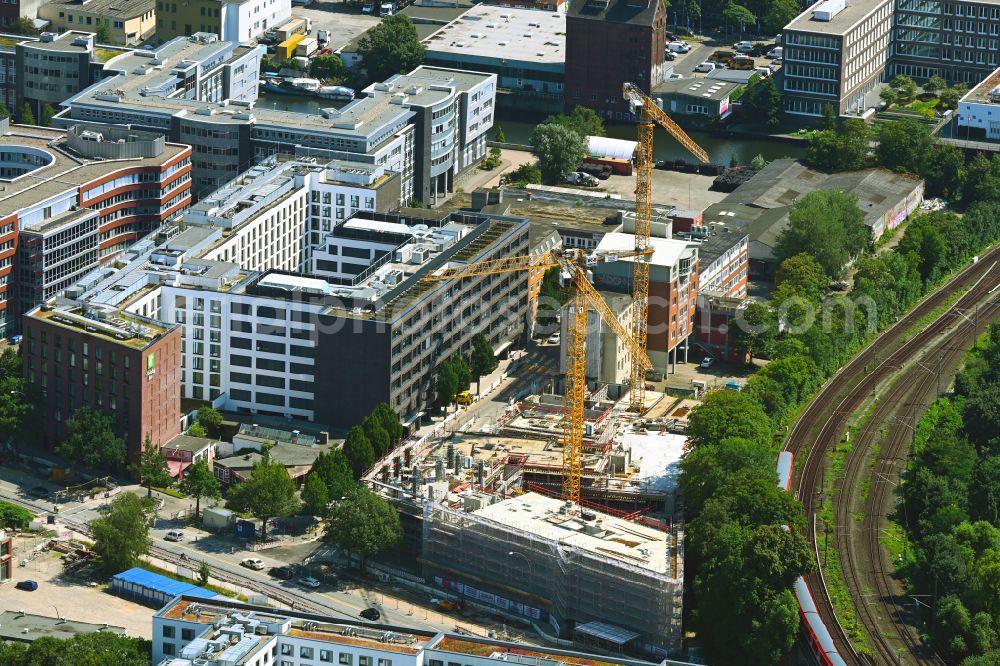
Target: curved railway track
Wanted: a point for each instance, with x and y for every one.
(824, 422)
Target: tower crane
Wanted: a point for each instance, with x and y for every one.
(584, 297)
(648, 113)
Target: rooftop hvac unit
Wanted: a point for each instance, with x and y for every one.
(393, 278)
(419, 255)
(826, 11)
(403, 254)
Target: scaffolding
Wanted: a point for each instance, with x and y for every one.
(555, 582)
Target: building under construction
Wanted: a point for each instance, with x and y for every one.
(585, 575)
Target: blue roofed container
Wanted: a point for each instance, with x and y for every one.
(153, 589)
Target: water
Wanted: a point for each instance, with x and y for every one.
(720, 148)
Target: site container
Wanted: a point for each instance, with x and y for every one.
(286, 49)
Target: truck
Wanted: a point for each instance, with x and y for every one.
(286, 49)
(295, 26)
(463, 398)
(323, 37)
(306, 47)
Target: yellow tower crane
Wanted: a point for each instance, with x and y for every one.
(584, 298)
(648, 113)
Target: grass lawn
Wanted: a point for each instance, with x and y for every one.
(925, 107)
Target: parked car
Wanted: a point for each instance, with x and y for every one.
(26, 585)
(253, 563)
(39, 492)
(283, 573)
(174, 535)
(705, 67)
(764, 72)
(581, 178)
(554, 338)
(721, 57)
(387, 9)
(309, 581)
(669, 55)
(743, 46)
(371, 614)
(775, 53)
(679, 46)
(742, 62)
(708, 362)
(368, 8)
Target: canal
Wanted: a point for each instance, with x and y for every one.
(720, 148)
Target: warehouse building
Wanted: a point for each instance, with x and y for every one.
(697, 97)
(153, 589)
(128, 23)
(22, 627)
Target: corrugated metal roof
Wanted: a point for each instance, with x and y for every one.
(155, 581)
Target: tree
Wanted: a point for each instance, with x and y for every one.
(828, 118)
(560, 151)
(779, 15)
(753, 329)
(934, 85)
(46, 114)
(726, 414)
(828, 225)
(844, 148)
(446, 383)
(484, 360)
(102, 35)
(762, 103)
(500, 136)
(582, 120)
(463, 374)
(268, 493)
(27, 115)
(906, 89)
(888, 95)
(335, 471)
(14, 517)
(204, 573)
(944, 171)
(22, 25)
(705, 470)
(389, 420)
(364, 523)
(949, 98)
(377, 435)
(199, 481)
(802, 276)
(359, 451)
(91, 441)
(211, 420)
(99, 648)
(197, 430)
(328, 67)
(121, 535)
(151, 469)
(315, 495)
(738, 16)
(391, 47)
(904, 145)
(4, 111)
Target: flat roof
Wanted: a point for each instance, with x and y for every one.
(981, 93)
(125, 9)
(126, 328)
(154, 581)
(666, 251)
(500, 33)
(20, 626)
(601, 535)
(712, 89)
(854, 12)
(66, 169)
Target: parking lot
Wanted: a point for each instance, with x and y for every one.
(343, 22)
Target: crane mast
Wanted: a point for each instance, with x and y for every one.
(649, 114)
(584, 298)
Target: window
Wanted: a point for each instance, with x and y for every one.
(287, 650)
(326, 655)
(305, 652)
(168, 631)
(345, 659)
(168, 648)
(364, 660)
(188, 635)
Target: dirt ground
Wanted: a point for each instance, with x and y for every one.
(72, 597)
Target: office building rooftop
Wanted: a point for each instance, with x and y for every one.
(833, 17)
(496, 32)
(26, 627)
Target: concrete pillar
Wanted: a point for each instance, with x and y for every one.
(687, 345)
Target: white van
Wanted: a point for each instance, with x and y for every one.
(679, 47)
(174, 535)
(775, 53)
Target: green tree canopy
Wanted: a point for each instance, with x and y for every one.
(315, 495)
(560, 150)
(359, 451)
(211, 420)
(328, 67)
(934, 85)
(802, 276)
(27, 115)
(906, 89)
(779, 15)
(391, 47)
(949, 98)
(905, 145)
(364, 523)
(121, 535)
(389, 420)
(99, 648)
(334, 469)
(446, 383)
(726, 414)
(91, 440)
(199, 481)
(584, 121)
(268, 493)
(761, 103)
(738, 16)
(14, 517)
(828, 225)
(706, 470)
(46, 115)
(484, 360)
(844, 148)
(377, 435)
(22, 25)
(753, 329)
(151, 469)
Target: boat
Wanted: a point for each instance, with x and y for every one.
(295, 86)
(336, 92)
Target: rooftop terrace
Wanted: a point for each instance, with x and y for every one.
(117, 326)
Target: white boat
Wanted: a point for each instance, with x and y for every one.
(307, 86)
(336, 92)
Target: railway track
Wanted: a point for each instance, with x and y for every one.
(823, 423)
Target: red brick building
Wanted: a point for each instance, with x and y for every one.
(124, 365)
(609, 42)
(6, 556)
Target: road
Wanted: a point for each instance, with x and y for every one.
(884, 369)
(345, 598)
